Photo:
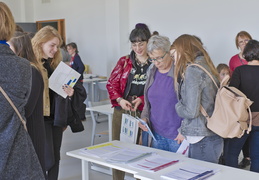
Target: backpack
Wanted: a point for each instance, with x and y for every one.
(230, 115)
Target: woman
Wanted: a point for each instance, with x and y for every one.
(46, 45)
(75, 62)
(160, 97)
(127, 80)
(237, 60)
(243, 78)
(195, 89)
(21, 45)
(17, 154)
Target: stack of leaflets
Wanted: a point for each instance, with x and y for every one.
(153, 163)
(102, 150)
(127, 156)
(190, 172)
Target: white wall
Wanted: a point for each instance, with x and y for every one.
(101, 27)
(216, 22)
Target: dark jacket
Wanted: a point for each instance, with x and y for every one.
(78, 65)
(74, 108)
(18, 159)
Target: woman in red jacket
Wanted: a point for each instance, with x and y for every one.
(127, 81)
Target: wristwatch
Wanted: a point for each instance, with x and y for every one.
(119, 99)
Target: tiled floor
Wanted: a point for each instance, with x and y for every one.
(70, 168)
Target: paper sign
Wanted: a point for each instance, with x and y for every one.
(63, 74)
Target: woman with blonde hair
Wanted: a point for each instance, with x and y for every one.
(17, 154)
(195, 89)
(46, 45)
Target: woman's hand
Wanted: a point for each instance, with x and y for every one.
(68, 90)
(143, 127)
(125, 104)
(179, 138)
(136, 103)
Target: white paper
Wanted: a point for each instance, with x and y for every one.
(102, 150)
(184, 148)
(129, 129)
(153, 163)
(188, 172)
(63, 74)
(127, 155)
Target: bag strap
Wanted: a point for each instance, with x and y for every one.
(223, 83)
(13, 106)
(206, 71)
(203, 111)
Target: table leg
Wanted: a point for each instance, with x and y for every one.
(110, 126)
(85, 170)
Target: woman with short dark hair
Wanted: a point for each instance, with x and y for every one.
(245, 79)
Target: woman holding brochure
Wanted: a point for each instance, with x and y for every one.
(46, 46)
(160, 97)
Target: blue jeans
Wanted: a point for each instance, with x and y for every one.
(232, 149)
(254, 149)
(165, 143)
(208, 149)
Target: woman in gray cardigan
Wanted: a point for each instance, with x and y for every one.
(18, 159)
(195, 88)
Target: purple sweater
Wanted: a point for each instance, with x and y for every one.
(162, 99)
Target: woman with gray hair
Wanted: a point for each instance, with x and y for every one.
(160, 97)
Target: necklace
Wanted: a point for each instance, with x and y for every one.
(140, 64)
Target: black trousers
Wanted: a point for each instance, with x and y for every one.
(54, 136)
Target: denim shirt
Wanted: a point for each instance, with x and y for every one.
(196, 89)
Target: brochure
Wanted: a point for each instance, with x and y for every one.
(127, 156)
(153, 163)
(149, 130)
(62, 75)
(190, 172)
(101, 150)
(129, 129)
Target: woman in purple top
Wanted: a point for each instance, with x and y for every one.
(160, 97)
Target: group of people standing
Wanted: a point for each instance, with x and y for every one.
(156, 81)
(26, 65)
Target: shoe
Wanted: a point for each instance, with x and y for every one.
(244, 163)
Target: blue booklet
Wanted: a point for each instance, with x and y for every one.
(149, 130)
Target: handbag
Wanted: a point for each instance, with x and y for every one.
(231, 110)
(15, 109)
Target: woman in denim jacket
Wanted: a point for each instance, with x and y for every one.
(195, 88)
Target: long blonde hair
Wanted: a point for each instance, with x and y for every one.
(188, 47)
(44, 35)
(7, 24)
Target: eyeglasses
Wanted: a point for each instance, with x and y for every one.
(243, 41)
(159, 59)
